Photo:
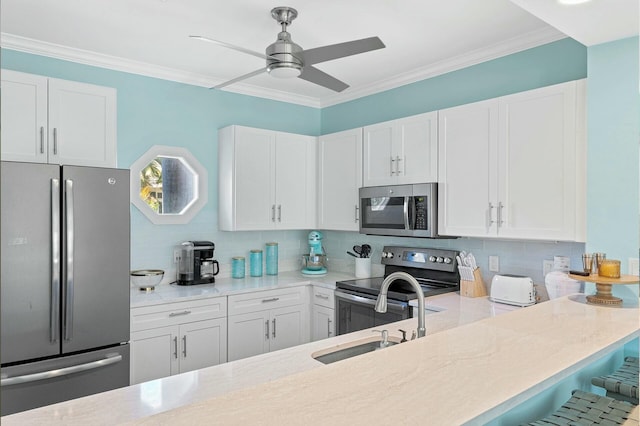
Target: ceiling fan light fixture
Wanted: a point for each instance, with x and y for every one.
(284, 70)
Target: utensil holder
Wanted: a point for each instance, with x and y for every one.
(363, 267)
(473, 288)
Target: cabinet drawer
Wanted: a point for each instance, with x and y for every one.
(323, 297)
(264, 300)
(148, 317)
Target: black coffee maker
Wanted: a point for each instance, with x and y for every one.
(196, 264)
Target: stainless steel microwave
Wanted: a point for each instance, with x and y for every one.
(402, 210)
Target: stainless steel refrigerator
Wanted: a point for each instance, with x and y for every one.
(64, 281)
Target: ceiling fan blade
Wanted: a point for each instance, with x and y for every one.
(340, 50)
(321, 78)
(242, 77)
(230, 46)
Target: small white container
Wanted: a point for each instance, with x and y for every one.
(363, 267)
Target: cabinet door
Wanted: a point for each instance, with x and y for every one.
(203, 344)
(154, 354)
(537, 164)
(379, 165)
(254, 179)
(295, 174)
(287, 327)
(339, 178)
(248, 335)
(23, 113)
(82, 124)
(323, 322)
(416, 149)
(467, 194)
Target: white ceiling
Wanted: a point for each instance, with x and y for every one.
(150, 37)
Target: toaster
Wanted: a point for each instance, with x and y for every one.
(513, 290)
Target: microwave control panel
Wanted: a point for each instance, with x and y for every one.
(421, 212)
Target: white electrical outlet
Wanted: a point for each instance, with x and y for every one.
(547, 266)
(634, 265)
(494, 263)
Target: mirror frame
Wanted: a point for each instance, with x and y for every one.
(201, 189)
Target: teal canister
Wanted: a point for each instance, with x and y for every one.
(237, 267)
(272, 258)
(255, 261)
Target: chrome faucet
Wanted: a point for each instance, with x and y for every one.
(381, 303)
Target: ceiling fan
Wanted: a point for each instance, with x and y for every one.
(286, 59)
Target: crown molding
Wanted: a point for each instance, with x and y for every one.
(513, 45)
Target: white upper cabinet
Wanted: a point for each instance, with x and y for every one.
(46, 120)
(266, 179)
(513, 167)
(401, 151)
(339, 179)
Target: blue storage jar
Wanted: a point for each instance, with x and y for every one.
(272, 259)
(237, 267)
(255, 261)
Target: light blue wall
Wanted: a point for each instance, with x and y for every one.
(613, 157)
(159, 112)
(552, 63)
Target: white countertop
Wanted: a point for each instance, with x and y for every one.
(167, 293)
(473, 365)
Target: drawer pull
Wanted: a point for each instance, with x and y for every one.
(273, 299)
(177, 314)
(322, 296)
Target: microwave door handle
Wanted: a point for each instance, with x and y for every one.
(407, 216)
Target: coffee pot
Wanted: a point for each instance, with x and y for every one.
(196, 264)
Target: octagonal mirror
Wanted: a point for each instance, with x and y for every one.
(168, 185)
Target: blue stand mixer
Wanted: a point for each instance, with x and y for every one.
(315, 261)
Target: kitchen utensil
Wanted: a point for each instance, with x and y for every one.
(146, 279)
(352, 254)
(366, 250)
(358, 250)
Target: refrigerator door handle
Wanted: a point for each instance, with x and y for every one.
(68, 314)
(55, 260)
(110, 359)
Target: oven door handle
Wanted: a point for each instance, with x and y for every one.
(396, 306)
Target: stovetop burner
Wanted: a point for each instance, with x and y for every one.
(434, 269)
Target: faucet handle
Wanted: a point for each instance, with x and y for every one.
(413, 335)
(404, 335)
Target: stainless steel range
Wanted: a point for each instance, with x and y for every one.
(436, 270)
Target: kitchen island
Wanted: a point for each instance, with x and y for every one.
(474, 364)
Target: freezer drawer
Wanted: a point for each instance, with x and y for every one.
(22, 387)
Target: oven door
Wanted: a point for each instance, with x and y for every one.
(356, 312)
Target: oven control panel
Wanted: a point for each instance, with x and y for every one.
(422, 258)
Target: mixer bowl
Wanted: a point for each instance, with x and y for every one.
(146, 279)
(315, 262)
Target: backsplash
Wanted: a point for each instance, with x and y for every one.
(515, 256)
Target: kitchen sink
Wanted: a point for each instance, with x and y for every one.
(351, 349)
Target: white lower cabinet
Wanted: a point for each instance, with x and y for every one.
(323, 314)
(175, 338)
(266, 321)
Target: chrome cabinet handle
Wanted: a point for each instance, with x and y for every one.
(184, 346)
(357, 213)
(490, 216)
(55, 141)
(273, 299)
(329, 333)
(175, 347)
(398, 160)
(279, 212)
(274, 328)
(392, 164)
(111, 358)
(55, 260)
(177, 314)
(41, 139)
(273, 213)
(500, 207)
(266, 323)
(69, 281)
